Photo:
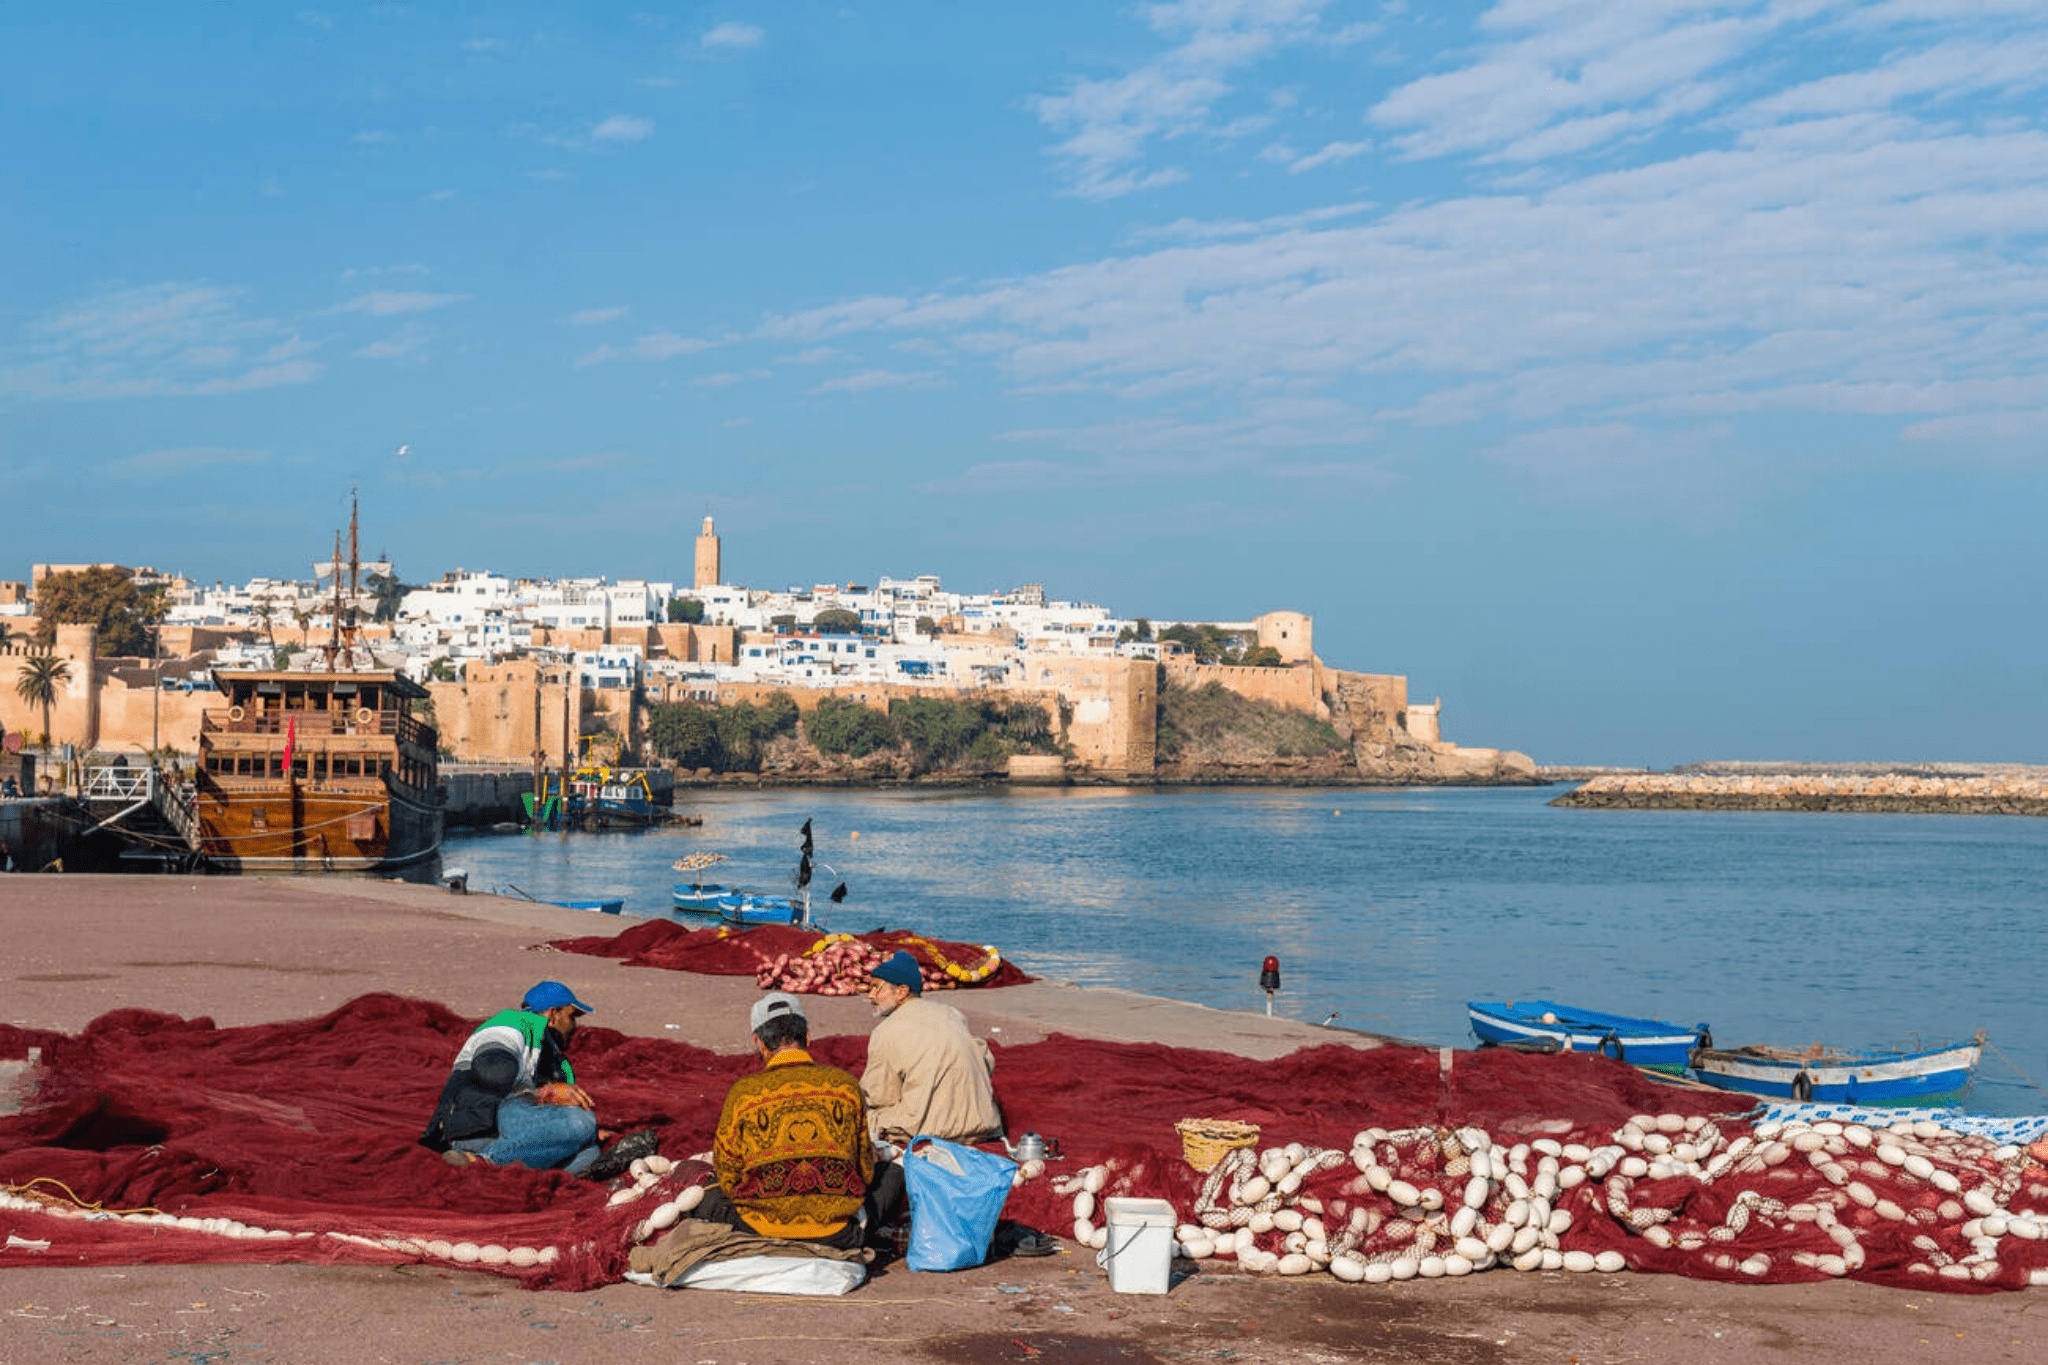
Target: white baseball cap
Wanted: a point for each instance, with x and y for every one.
(775, 1005)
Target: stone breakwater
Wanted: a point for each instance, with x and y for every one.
(1895, 793)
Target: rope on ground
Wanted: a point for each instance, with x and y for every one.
(28, 1190)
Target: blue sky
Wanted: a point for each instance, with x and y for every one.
(1653, 381)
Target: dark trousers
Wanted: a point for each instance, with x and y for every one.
(716, 1207)
(887, 1202)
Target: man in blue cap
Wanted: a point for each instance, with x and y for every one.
(512, 1097)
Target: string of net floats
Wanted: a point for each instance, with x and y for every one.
(157, 1139)
(805, 961)
(1776, 1201)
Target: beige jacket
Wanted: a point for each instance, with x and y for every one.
(927, 1074)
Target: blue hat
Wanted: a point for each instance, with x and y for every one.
(900, 969)
(549, 994)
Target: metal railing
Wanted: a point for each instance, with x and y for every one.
(307, 723)
(116, 784)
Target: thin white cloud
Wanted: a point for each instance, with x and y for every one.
(653, 346)
(1874, 266)
(732, 35)
(1330, 154)
(865, 381)
(622, 128)
(158, 464)
(591, 317)
(1561, 76)
(1109, 124)
(171, 338)
(384, 303)
(408, 343)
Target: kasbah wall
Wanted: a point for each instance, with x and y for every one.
(1106, 709)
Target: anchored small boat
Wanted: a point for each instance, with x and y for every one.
(599, 905)
(740, 905)
(1836, 1075)
(1546, 1025)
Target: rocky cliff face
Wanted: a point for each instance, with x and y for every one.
(1382, 750)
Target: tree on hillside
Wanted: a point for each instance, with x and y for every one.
(387, 592)
(745, 728)
(266, 616)
(1262, 656)
(836, 621)
(103, 596)
(685, 611)
(840, 726)
(37, 683)
(686, 734)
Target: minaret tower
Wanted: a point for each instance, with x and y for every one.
(707, 557)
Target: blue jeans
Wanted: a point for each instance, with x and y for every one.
(542, 1136)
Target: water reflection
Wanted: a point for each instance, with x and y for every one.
(1861, 930)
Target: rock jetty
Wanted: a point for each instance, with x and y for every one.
(2005, 792)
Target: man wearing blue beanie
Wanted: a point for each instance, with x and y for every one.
(926, 1073)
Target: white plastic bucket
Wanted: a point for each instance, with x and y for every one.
(1139, 1251)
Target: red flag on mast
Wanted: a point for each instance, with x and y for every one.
(291, 738)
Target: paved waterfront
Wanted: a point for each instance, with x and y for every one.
(249, 950)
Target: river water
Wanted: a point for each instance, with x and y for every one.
(1390, 910)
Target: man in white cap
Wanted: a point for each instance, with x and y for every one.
(792, 1154)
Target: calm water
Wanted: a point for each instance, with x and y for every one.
(1391, 910)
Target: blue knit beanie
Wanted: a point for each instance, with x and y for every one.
(900, 969)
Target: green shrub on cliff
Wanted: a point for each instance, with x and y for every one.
(845, 727)
(1213, 723)
(686, 734)
(722, 738)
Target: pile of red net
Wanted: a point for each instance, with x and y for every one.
(295, 1142)
(785, 957)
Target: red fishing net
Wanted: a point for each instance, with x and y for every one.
(785, 957)
(168, 1140)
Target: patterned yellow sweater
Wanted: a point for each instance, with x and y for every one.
(792, 1151)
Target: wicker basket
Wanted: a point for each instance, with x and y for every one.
(1205, 1141)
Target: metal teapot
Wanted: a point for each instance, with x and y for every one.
(1032, 1147)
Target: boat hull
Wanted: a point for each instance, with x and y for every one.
(736, 907)
(264, 828)
(1652, 1044)
(1870, 1078)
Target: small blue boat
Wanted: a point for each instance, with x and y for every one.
(1830, 1075)
(1653, 1044)
(737, 904)
(600, 905)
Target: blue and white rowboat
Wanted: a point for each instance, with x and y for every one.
(1653, 1044)
(1835, 1076)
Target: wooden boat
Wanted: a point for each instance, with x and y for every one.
(1839, 1076)
(1653, 1044)
(317, 771)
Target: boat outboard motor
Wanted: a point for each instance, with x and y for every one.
(1269, 981)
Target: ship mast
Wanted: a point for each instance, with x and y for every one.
(345, 637)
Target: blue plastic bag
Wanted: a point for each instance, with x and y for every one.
(956, 1196)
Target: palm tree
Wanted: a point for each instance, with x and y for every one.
(37, 683)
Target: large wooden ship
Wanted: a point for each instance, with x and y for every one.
(314, 771)
(320, 770)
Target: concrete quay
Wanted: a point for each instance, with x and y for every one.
(2010, 792)
(250, 950)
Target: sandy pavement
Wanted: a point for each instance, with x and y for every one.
(259, 950)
